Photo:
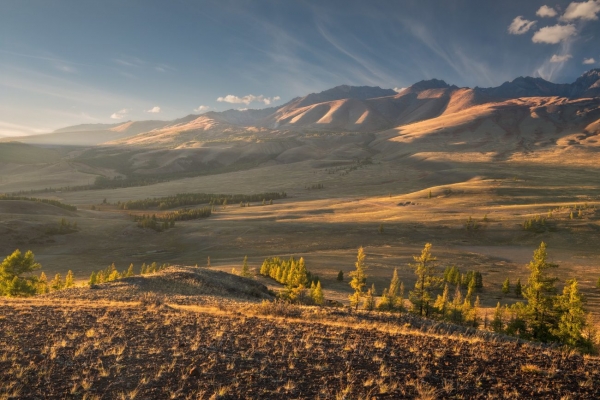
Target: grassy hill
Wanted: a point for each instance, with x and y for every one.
(156, 346)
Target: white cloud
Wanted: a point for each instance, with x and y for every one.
(554, 34)
(398, 90)
(559, 59)
(120, 114)
(588, 61)
(546, 11)
(154, 110)
(201, 108)
(247, 99)
(585, 10)
(520, 26)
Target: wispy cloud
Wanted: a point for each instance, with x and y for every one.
(250, 98)
(554, 34)
(546, 12)
(520, 26)
(398, 90)
(560, 59)
(587, 10)
(120, 114)
(154, 110)
(589, 61)
(10, 129)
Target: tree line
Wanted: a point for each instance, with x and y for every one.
(545, 316)
(165, 221)
(189, 199)
(293, 274)
(55, 203)
(111, 273)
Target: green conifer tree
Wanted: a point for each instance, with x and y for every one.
(69, 280)
(572, 320)
(245, 269)
(359, 278)
(540, 292)
(42, 286)
(56, 283)
(15, 274)
(506, 286)
(340, 277)
(518, 288)
(92, 280)
(130, 271)
(317, 295)
(497, 324)
(369, 303)
(424, 267)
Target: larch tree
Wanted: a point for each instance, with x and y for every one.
(12, 270)
(540, 292)
(424, 267)
(572, 316)
(245, 269)
(359, 278)
(69, 279)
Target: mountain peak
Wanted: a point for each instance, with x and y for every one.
(429, 84)
(345, 92)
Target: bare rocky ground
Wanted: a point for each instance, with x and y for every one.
(231, 346)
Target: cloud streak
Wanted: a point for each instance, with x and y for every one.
(250, 98)
(519, 26)
(589, 61)
(560, 59)
(154, 110)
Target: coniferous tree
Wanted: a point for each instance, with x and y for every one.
(359, 278)
(369, 303)
(394, 289)
(384, 303)
(245, 269)
(539, 292)
(475, 312)
(506, 286)
(57, 283)
(497, 324)
(130, 271)
(518, 288)
(340, 277)
(92, 280)
(457, 302)
(12, 269)
(317, 294)
(42, 285)
(572, 316)
(69, 280)
(441, 303)
(424, 267)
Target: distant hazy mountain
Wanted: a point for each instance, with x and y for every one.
(340, 109)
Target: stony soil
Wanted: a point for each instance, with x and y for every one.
(100, 350)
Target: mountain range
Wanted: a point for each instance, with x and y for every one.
(519, 117)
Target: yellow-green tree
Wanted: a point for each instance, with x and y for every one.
(15, 274)
(540, 292)
(359, 278)
(69, 280)
(424, 267)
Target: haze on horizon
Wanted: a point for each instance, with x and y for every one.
(70, 63)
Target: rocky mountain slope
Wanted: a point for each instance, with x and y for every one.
(527, 117)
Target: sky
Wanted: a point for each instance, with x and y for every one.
(82, 62)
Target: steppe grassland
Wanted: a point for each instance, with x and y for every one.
(326, 226)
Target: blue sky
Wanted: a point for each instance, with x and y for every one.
(72, 62)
